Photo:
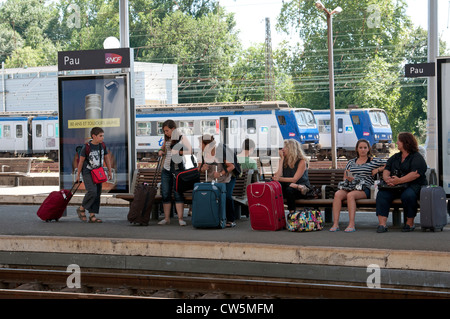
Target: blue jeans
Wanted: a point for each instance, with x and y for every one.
(409, 201)
(167, 186)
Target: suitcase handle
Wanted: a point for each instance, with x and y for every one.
(73, 189)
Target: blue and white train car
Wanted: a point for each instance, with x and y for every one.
(352, 125)
(266, 123)
(14, 136)
(45, 136)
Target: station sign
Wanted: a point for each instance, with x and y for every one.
(420, 70)
(94, 59)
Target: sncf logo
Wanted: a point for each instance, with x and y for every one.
(112, 58)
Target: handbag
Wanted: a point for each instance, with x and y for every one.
(383, 186)
(304, 220)
(99, 176)
(187, 174)
(185, 180)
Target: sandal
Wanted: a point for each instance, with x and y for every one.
(93, 219)
(82, 214)
(334, 229)
(232, 224)
(350, 230)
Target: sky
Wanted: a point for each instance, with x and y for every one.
(250, 17)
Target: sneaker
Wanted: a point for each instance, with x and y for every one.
(182, 222)
(382, 229)
(164, 222)
(407, 228)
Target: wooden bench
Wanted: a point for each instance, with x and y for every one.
(328, 179)
(146, 175)
(15, 167)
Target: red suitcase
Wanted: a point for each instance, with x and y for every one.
(266, 206)
(53, 207)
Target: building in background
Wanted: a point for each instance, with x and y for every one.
(36, 89)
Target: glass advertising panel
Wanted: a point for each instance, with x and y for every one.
(94, 101)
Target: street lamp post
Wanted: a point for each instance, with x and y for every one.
(320, 6)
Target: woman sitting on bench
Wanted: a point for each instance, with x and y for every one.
(293, 173)
(358, 178)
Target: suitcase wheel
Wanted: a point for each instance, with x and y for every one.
(49, 220)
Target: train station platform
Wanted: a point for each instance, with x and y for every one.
(404, 259)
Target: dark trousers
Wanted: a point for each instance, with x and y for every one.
(409, 201)
(230, 202)
(91, 200)
(290, 195)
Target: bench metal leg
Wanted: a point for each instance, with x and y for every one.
(396, 217)
(328, 215)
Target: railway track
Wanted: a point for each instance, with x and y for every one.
(52, 283)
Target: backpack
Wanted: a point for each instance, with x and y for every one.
(237, 167)
(87, 150)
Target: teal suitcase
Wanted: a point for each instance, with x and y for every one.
(209, 205)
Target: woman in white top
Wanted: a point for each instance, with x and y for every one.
(363, 167)
(171, 137)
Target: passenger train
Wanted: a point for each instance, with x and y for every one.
(29, 135)
(267, 123)
(351, 125)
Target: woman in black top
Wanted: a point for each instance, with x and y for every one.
(405, 173)
(292, 172)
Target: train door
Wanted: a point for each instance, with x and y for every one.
(250, 131)
(231, 131)
(223, 124)
(14, 135)
(345, 137)
(38, 140)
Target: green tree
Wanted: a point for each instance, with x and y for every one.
(203, 48)
(24, 24)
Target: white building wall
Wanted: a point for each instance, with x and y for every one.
(36, 89)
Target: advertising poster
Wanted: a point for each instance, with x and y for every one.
(94, 101)
(443, 71)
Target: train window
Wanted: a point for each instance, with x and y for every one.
(38, 130)
(305, 118)
(19, 131)
(310, 120)
(379, 118)
(383, 118)
(281, 120)
(50, 130)
(159, 128)
(340, 125)
(208, 127)
(143, 128)
(324, 126)
(186, 127)
(6, 131)
(251, 126)
(234, 126)
(355, 119)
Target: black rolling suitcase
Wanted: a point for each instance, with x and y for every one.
(144, 196)
(433, 208)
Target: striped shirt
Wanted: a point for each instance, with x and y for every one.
(363, 172)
